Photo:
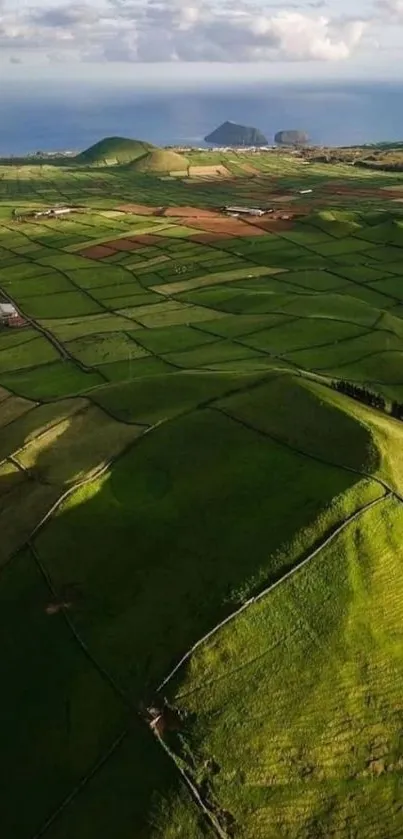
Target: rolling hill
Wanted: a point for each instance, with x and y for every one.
(201, 489)
(112, 151)
(160, 161)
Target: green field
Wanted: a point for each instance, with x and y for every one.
(197, 525)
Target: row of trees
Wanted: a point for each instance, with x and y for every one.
(375, 400)
(362, 394)
(397, 410)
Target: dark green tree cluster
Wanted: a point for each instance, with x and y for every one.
(362, 394)
(397, 410)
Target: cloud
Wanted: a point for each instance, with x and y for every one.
(183, 30)
(64, 17)
(391, 9)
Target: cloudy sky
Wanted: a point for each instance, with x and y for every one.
(135, 39)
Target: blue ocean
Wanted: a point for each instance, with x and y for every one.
(334, 114)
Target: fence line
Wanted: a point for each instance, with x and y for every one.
(255, 599)
(81, 784)
(194, 792)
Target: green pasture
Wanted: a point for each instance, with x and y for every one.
(211, 353)
(216, 564)
(183, 435)
(109, 806)
(238, 327)
(63, 304)
(301, 333)
(48, 283)
(32, 353)
(130, 288)
(152, 399)
(50, 381)
(76, 447)
(10, 338)
(171, 339)
(66, 329)
(53, 447)
(133, 368)
(101, 349)
(35, 421)
(100, 276)
(130, 300)
(11, 408)
(348, 350)
(50, 691)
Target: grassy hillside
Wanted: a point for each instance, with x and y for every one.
(328, 764)
(185, 481)
(160, 160)
(113, 150)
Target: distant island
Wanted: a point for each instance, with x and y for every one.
(291, 138)
(231, 134)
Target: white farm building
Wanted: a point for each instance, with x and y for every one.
(9, 315)
(245, 211)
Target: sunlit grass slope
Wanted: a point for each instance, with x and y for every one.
(295, 709)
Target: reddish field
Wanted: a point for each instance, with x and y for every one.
(122, 245)
(229, 226)
(97, 252)
(145, 239)
(213, 226)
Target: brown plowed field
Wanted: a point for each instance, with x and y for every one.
(122, 244)
(144, 239)
(97, 252)
(213, 228)
(229, 226)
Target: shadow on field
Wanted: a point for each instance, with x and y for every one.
(195, 517)
(65, 747)
(190, 522)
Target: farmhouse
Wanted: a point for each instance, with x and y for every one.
(54, 212)
(10, 316)
(245, 211)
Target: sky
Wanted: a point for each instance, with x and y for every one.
(184, 42)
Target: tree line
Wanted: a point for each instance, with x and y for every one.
(374, 400)
(362, 394)
(397, 410)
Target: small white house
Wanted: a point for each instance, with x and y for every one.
(7, 310)
(10, 316)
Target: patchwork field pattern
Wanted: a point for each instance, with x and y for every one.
(181, 484)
